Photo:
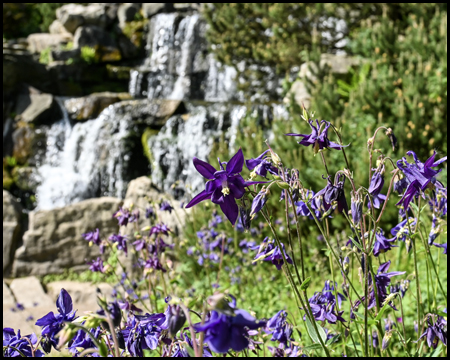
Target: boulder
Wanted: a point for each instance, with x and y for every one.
(72, 16)
(43, 110)
(12, 228)
(95, 37)
(141, 192)
(56, 27)
(8, 297)
(54, 240)
(29, 292)
(150, 9)
(127, 12)
(25, 178)
(151, 112)
(41, 41)
(89, 107)
(64, 55)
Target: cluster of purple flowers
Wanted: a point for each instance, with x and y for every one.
(16, 345)
(323, 304)
(269, 251)
(436, 331)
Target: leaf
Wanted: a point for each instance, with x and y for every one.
(313, 347)
(103, 349)
(437, 352)
(383, 309)
(334, 339)
(312, 332)
(415, 207)
(305, 284)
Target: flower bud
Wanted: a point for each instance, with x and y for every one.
(244, 214)
(392, 137)
(375, 340)
(176, 319)
(346, 264)
(46, 345)
(386, 340)
(356, 207)
(404, 286)
(258, 202)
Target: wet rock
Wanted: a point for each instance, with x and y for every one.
(89, 107)
(39, 42)
(24, 178)
(95, 37)
(12, 229)
(43, 110)
(54, 240)
(29, 292)
(72, 16)
(64, 55)
(127, 12)
(150, 9)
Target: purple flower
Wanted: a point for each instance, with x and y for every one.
(224, 186)
(122, 216)
(165, 206)
(376, 185)
(159, 229)
(401, 232)
(258, 202)
(279, 328)
(435, 332)
(400, 183)
(223, 332)
(11, 342)
(382, 243)
(267, 251)
(121, 242)
(150, 213)
(323, 304)
(51, 324)
(83, 341)
(420, 176)
(319, 141)
(261, 165)
(93, 236)
(444, 246)
(153, 263)
(356, 207)
(333, 194)
(96, 265)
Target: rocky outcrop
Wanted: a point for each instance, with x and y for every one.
(71, 16)
(11, 229)
(151, 9)
(54, 240)
(29, 292)
(39, 42)
(94, 36)
(89, 107)
(42, 110)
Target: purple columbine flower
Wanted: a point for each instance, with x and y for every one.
(334, 194)
(382, 243)
(400, 183)
(323, 304)
(420, 176)
(435, 332)
(84, 341)
(279, 328)
(319, 141)
(93, 236)
(224, 332)
(150, 212)
(11, 342)
(165, 206)
(376, 185)
(224, 186)
(401, 232)
(444, 246)
(96, 265)
(268, 251)
(121, 242)
(159, 229)
(356, 207)
(51, 324)
(258, 202)
(314, 202)
(122, 216)
(261, 165)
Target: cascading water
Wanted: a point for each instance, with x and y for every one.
(83, 161)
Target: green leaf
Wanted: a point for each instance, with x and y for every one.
(312, 332)
(313, 347)
(334, 339)
(415, 207)
(103, 349)
(305, 284)
(380, 314)
(437, 351)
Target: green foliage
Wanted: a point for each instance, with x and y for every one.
(47, 12)
(88, 54)
(45, 56)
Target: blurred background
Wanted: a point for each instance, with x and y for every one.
(98, 96)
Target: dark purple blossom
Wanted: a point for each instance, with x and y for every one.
(402, 233)
(268, 251)
(382, 243)
(165, 206)
(333, 194)
(11, 342)
(122, 216)
(258, 202)
(51, 324)
(279, 328)
(224, 186)
(356, 207)
(84, 341)
(323, 304)
(150, 212)
(318, 139)
(435, 331)
(96, 265)
(376, 185)
(224, 332)
(93, 236)
(314, 202)
(159, 229)
(444, 246)
(420, 176)
(121, 242)
(261, 165)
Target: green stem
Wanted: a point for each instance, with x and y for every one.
(299, 236)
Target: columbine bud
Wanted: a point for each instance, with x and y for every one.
(416, 327)
(386, 340)
(258, 202)
(346, 264)
(357, 207)
(120, 340)
(244, 214)
(46, 345)
(176, 320)
(392, 137)
(404, 286)
(395, 288)
(375, 340)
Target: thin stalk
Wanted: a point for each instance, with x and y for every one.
(113, 333)
(191, 329)
(299, 236)
(366, 305)
(403, 318)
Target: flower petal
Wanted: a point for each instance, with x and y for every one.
(205, 169)
(64, 303)
(230, 208)
(199, 198)
(48, 319)
(234, 166)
